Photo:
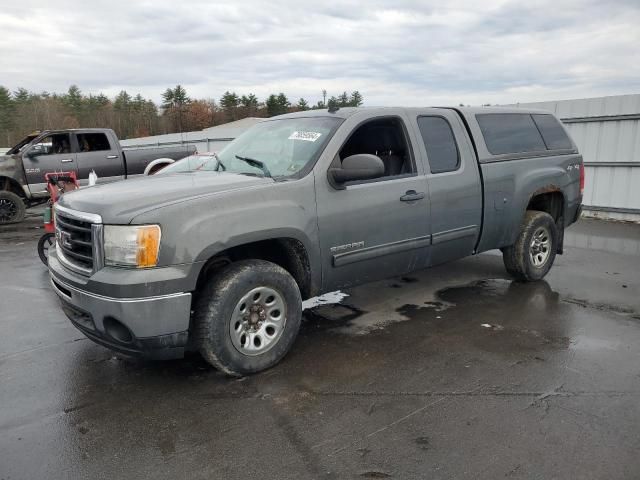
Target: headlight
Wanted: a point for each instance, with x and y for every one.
(131, 245)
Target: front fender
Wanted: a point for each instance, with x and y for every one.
(197, 230)
(11, 169)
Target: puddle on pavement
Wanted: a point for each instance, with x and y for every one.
(528, 315)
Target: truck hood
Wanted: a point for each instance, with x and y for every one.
(120, 202)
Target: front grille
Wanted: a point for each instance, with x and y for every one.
(74, 239)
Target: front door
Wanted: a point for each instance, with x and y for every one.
(49, 154)
(378, 228)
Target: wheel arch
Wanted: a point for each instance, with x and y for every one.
(157, 165)
(286, 251)
(550, 199)
(12, 185)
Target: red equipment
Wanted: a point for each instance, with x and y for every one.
(57, 184)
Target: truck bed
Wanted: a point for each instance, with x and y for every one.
(139, 157)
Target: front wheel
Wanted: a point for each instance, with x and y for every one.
(247, 317)
(44, 244)
(532, 255)
(12, 208)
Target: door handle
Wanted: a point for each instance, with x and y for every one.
(66, 160)
(112, 156)
(412, 196)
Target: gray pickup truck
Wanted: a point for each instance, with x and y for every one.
(219, 261)
(23, 167)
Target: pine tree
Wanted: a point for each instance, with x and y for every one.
(343, 100)
(302, 105)
(174, 102)
(21, 95)
(74, 100)
(7, 107)
(356, 99)
(229, 103)
(277, 104)
(249, 105)
(167, 99)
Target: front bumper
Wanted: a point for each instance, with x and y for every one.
(152, 326)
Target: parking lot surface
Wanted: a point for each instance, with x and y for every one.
(454, 372)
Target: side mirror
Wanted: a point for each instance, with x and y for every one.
(361, 166)
(37, 149)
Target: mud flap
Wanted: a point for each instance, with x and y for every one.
(560, 227)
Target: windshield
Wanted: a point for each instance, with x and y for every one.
(192, 163)
(21, 144)
(284, 147)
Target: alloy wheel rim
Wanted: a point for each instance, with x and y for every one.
(540, 248)
(8, 210)
(258, 321)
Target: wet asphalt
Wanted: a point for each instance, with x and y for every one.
(455, 372)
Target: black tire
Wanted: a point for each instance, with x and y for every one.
(46, 241)
(12, 208)
(218, 302)
(522, 260)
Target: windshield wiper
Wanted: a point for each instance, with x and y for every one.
(257, 164)
(220, 164)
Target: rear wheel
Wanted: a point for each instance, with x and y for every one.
(12, 208)
(247, 317)
(46, 241)
(532, 255)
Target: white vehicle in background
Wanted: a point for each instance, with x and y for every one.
(207, 161)
(157, 165)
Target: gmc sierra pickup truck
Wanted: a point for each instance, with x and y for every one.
(219, 261)
(23, 167)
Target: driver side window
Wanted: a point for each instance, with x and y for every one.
(385, 138)
(53, 144)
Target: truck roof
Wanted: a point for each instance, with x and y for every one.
(346, 112)
(56, 130)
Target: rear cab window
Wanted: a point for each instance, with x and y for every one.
(442, 150)
(552, 132)
(519, 133)
(93, 142)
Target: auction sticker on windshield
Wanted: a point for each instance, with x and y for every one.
(306, 136)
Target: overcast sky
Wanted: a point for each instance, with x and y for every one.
(398, 52)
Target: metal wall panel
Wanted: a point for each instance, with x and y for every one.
(613, 188)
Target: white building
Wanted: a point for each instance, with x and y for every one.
(208, 140)
(607, 132)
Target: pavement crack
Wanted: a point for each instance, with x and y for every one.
(473, 393)
(42, 347)
(603, 307)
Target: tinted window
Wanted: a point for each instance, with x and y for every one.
(510, 133)
(53, 144)
(552, 132)
(93, 142)
(440, 144)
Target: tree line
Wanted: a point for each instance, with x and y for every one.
(22, 111)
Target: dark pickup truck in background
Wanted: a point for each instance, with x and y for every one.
(23, 167)
(303, 204)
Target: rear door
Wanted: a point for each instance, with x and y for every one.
(97, 152)
(455, 191)
(50, 153)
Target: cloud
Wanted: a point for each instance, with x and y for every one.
(395, 52)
